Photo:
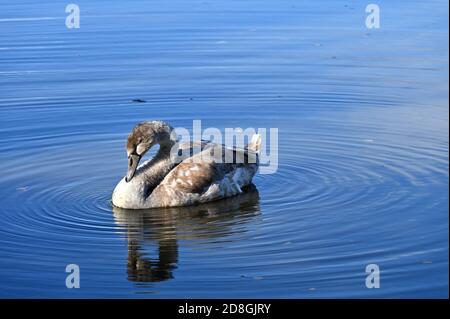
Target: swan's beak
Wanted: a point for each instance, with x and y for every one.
(133, 161)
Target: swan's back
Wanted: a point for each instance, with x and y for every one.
(207, 176)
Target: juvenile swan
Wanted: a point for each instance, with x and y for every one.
(209, 171)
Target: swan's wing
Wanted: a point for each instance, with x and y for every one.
(206, 176)
(196, 173)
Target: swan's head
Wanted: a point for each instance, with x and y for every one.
(142, 138)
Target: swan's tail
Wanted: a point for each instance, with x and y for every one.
(255, 143)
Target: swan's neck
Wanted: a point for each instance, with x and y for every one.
(152, 172)
(136, 193)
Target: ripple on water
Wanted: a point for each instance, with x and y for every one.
(324, 181)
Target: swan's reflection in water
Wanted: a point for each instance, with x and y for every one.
(164, 227)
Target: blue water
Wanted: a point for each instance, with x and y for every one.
(363, 147)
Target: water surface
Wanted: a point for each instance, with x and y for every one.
(363, 147)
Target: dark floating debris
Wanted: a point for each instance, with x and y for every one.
(138, 101)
